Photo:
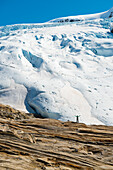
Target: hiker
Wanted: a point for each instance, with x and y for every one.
(77, 118)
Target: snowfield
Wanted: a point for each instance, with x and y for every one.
(107, 14)
(60, 69)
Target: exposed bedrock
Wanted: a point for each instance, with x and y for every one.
(29, 143)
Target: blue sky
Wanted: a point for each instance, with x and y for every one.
(38, 11)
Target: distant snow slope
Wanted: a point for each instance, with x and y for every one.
(59, 70)
(106, 14)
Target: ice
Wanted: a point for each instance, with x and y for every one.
(111, 27)
(33, 59)
(14, 95)
(2, 47)
(60, 70)
(106, 14)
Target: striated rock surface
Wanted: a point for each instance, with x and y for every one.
(29, 143)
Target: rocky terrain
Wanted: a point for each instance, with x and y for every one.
(29, 143)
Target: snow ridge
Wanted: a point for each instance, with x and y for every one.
(106, 14)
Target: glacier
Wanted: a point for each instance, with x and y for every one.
(60, 69)
(106, 14)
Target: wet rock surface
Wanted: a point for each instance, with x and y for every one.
(29, 143)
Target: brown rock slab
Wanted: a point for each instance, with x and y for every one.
(29, 143)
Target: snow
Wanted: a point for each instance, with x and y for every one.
(59, 70)
(106, 14)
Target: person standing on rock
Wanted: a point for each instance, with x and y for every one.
(77, 118)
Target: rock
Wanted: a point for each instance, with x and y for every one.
(29, 143)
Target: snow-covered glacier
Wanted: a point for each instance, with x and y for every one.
(59, 69)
